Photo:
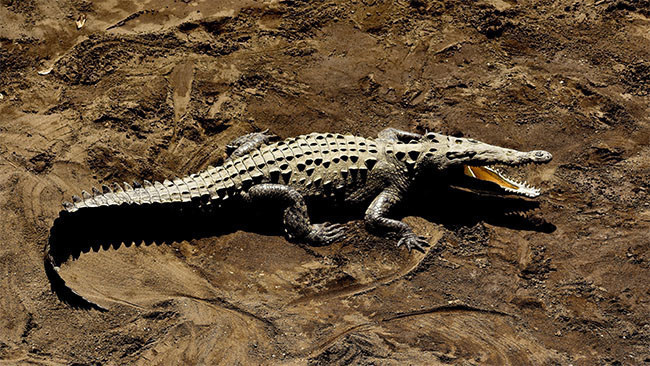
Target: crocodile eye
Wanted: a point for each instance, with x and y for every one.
(459, 141)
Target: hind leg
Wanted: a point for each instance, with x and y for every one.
(296, 219)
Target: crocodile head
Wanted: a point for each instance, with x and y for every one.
(474, 164)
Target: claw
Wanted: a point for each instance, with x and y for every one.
(334, 229)
(326, 233)
(412, 241)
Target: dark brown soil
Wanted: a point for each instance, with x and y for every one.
(150, 92)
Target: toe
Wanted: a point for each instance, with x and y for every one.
(333, 229)
(421, 245)
(419, 248)
(326, 233)
(418, 243)
(337, 229)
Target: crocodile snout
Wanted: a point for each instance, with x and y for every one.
(542, 156)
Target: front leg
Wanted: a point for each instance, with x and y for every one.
(376, 220)
(394, 135)
(244, 144)
(296, 219)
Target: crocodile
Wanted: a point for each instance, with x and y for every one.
(379, 172)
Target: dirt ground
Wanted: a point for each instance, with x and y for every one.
(156, 90)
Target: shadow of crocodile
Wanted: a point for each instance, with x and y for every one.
(102, 228)
(453, 207)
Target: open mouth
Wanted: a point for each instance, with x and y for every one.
(491, 174)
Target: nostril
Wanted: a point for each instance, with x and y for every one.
(541, 154)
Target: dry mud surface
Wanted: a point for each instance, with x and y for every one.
(157, 89)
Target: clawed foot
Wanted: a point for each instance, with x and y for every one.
(326, 233)
(412, 241)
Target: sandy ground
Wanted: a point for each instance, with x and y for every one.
(156, 90)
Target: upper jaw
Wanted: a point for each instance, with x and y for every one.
(509, 157)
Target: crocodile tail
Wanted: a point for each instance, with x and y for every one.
(82, 212)
(61, 289)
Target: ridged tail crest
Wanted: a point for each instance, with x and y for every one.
(85, 211)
